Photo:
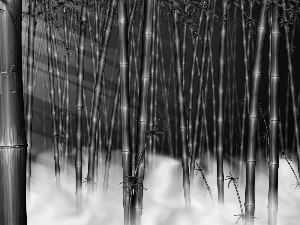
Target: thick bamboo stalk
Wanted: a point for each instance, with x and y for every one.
(274, 119)
(12, 126)
(181, 114)
(29, 111)
(253, 118)
(125, 109)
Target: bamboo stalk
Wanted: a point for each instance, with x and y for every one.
(220, 173)
(210, 56)
(246, 98)
(250, 39)
(124, 101)
(152, 71)
(30, 90)
(274, 119)
(253, 118)
(294, 26)
(186, 7)
(12, 126)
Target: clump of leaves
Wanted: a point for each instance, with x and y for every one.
(263, 114)
(132, 185)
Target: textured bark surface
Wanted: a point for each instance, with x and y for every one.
(12, 123)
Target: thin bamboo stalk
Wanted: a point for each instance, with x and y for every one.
(152, 71)
(210, 56)
(30, 90)
(220, 173)
(186, 8)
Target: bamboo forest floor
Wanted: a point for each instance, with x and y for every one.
(163, 199)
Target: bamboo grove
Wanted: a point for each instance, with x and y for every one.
(205, 82)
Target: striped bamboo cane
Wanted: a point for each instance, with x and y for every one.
(274, 119)
(124, 101)
(253, 118)
(12, 126)
(30, 90)
(220, 173)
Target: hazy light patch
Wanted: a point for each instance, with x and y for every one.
(163, 199)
